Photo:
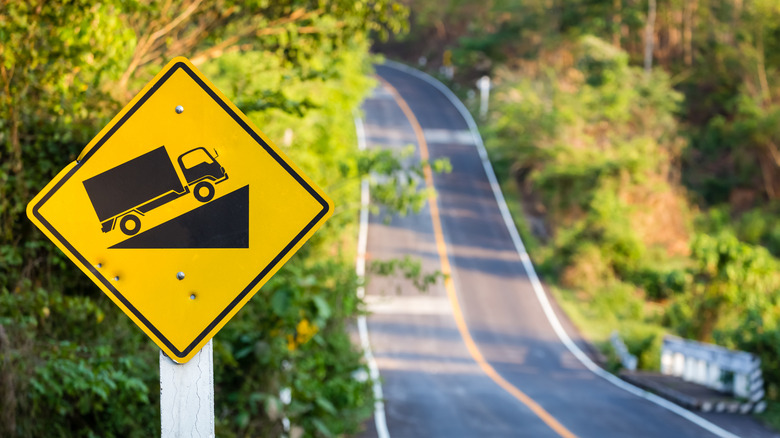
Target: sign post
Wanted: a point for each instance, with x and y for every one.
(179, 210)
(187, 395)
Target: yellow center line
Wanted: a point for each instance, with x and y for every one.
(446, 269)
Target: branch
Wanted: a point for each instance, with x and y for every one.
(272, 28)
(214, 51)
(144, 44)
(769, 186)
(187, 35)
(774, 153)
(176, 21)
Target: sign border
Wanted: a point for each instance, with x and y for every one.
(175, 65)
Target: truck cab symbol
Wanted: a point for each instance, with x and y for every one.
(132, 189)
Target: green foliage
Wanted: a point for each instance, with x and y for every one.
(584, 146)
(609, 156)
(85, 388)
(396, 182)
(578, 148)
(748, 137)
(295, 338)
(617, 301)
(659, 283)
(757, 226)
(722, 56)
(409, 268)
(757, 332)
(771, 416)
(92, 392)
(644, 341)
(299, 70)
(731, 278)
(56, 58)
(302, 35)
(591, 142)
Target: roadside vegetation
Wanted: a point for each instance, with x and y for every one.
(645, 181)
(71, 364)
(639, 140)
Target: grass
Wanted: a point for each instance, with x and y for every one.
(771, 416)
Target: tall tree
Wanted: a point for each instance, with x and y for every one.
(649, 35)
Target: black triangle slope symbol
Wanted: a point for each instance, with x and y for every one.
(221, 223)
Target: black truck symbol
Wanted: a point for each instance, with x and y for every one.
(134, 188)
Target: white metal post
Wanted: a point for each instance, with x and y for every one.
(187, 395)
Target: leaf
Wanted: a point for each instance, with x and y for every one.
(323, 309)
(320, 426)
(242, 419)
(326, 405)
(280, 302)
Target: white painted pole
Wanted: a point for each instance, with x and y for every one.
(187, 396)
(484, 93)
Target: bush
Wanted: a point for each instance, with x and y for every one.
(645, 342)
(618, 301)
(60, 361)
(586, 140)
(729, 279)
(758, 333)
(661, 284)
(67, 354)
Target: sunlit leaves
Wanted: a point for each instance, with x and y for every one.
(299, 69)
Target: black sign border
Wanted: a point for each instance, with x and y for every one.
(222, 315)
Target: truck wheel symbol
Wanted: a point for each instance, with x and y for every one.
(130, 224)
(204, 191)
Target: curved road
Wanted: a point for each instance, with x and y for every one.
(475, 356)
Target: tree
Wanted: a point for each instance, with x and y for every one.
(296, 30)
(64, 69)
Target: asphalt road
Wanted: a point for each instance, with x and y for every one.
(434, 385)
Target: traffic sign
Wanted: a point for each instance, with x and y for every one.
(180, 209)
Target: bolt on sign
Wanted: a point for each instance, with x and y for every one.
(180, 209)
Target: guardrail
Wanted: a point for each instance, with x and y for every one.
(729, 371)
(627, 359)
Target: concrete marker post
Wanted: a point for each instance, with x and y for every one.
(187, 395)
(484, 94)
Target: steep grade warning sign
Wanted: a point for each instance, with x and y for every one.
(180, 209)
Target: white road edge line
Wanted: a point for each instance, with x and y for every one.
(529, 268)
(360, 269)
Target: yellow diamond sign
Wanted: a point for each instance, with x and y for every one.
(180, 209)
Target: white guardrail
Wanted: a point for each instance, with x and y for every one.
(627, 359)
(716, 367)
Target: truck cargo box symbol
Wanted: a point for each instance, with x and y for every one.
(136, 187)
